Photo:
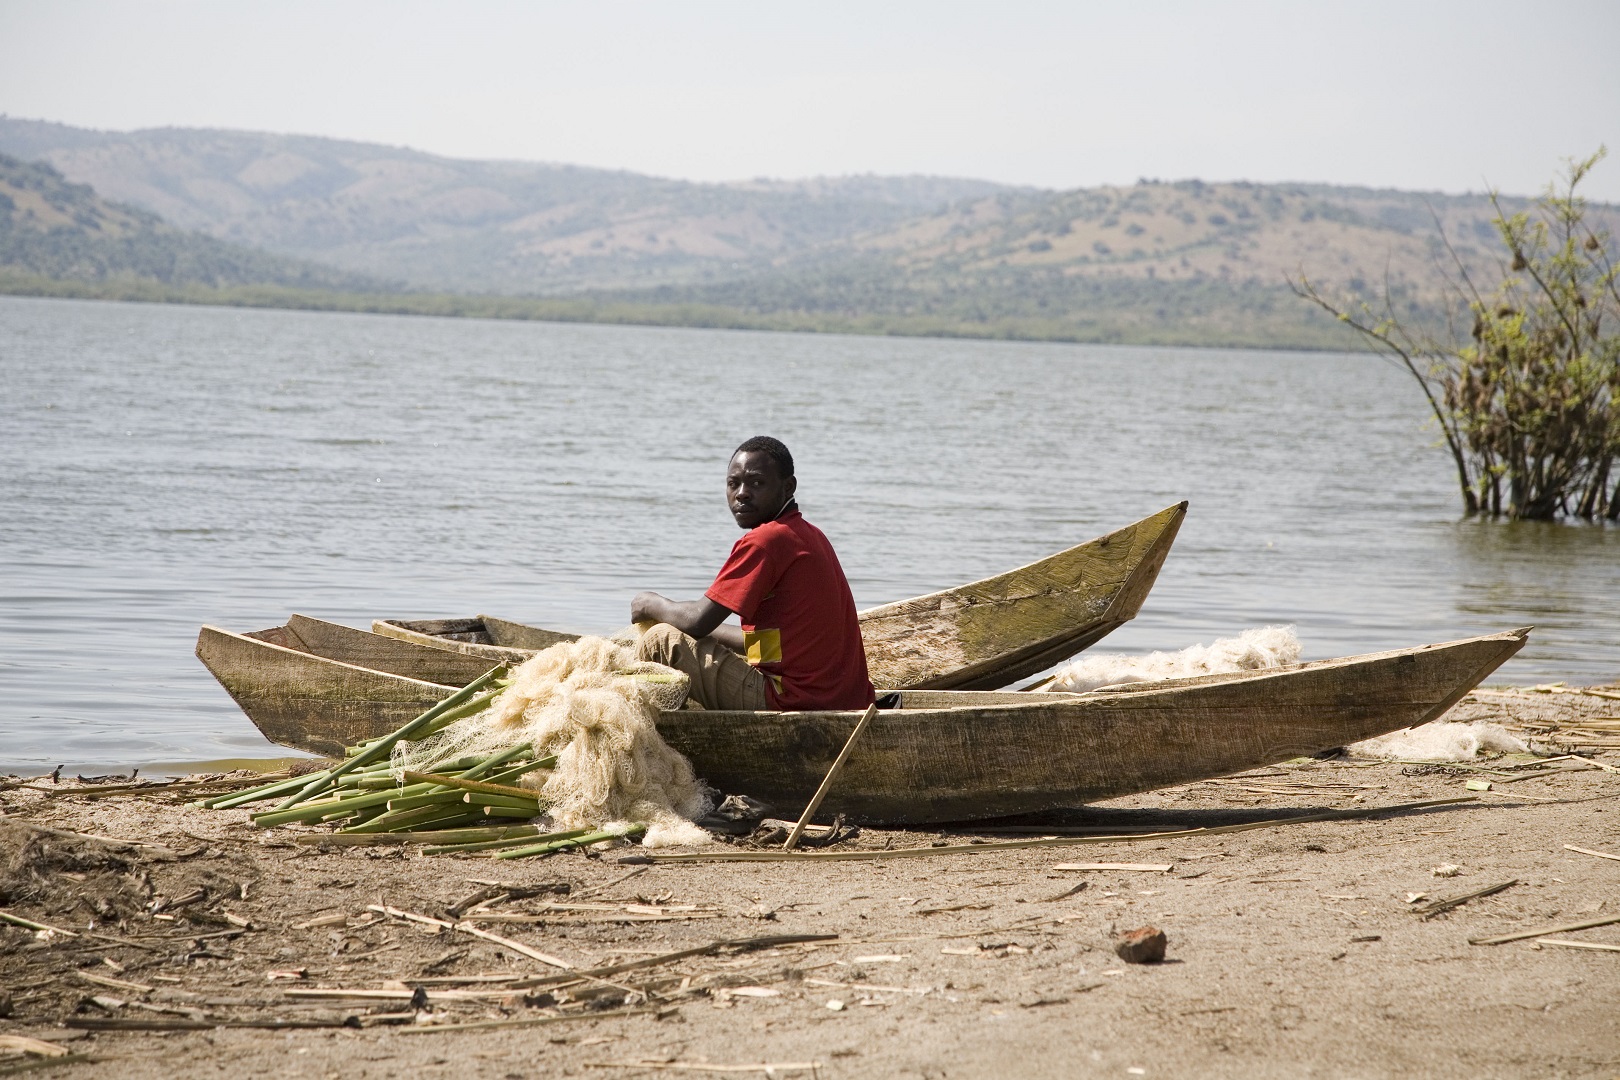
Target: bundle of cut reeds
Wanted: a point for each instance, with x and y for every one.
(469, 805)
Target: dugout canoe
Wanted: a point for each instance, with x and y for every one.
(962, 755)
(320, 686)
(978, 636)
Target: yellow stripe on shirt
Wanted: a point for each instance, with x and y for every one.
(763, 646)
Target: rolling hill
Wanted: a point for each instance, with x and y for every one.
(57, 230)
(469, 226)
(1187, 262)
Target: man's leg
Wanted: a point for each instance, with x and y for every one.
(720, 678)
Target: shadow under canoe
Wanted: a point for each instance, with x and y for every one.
(943, 755)
(978, 636)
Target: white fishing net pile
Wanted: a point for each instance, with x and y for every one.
(1252, 650)
(1272, 647)
(595, 706)
(1440, 740)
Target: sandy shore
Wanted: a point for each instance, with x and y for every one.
(1293, 951)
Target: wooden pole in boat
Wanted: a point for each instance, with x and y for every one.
(827, 781)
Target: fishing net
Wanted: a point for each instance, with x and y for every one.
(1253, 650)
(1440, 740)
(1273, 647)
(595, 706)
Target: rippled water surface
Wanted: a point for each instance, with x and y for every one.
(162, 467)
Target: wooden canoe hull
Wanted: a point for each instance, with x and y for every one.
(318, 686)
(978, 636)
(990, 633)
(483, 636)
(959, 755)
(931, 764)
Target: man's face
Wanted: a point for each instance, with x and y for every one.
(755, 491)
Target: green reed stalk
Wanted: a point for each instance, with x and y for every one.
(392, 797)
(442, 824)
(313, 811)
(382, 747)
(478, 798)
(485, 786)
(523, 812)
(478, 834)
(266, 791)
(491, 843)
(527, 767)
(444, 720)
(405, 819)
(434, 796)
(559, 845)
(490, 764)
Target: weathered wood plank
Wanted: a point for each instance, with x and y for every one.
(311, 702)
(469, 637)
(942, 765)
(988, 633)
(414, 661)
(516, 635)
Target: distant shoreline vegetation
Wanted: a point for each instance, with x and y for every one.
(1236, 325)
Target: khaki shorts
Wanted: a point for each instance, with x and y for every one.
(720, 678)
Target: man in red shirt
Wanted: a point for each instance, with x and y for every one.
(800, 642)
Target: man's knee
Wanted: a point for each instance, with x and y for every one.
(660, 643)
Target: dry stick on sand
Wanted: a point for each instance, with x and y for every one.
(485, 1025)
(1063, 895)
(468, 928)
(1060, 841)
(18, 920)
(504, 942)
(615, 882)
(37, 1047)
(1438, 907)
(768, 1068)
(158, 787)
(1502, 939)
(1067, 830)
(827, 781)
(740, 944)
(38, 928)
(115, 984)
(92, 837)
(876, 988)
(98, 1023)
(1589, 851)
(1597, 945)
(48, 1063)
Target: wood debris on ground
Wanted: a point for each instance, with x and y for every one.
(132, 922)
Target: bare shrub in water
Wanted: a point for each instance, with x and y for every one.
(1530, 403)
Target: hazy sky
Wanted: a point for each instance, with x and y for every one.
(1439, 95)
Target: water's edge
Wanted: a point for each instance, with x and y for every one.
(168, 466)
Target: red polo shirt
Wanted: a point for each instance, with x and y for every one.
(798, 617)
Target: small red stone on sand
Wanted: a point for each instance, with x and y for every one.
(1144, 945)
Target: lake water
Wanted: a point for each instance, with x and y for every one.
(162, 467)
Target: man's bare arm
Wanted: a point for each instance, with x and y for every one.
(698, 618)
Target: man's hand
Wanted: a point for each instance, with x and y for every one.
(696, 618)
(645, 607)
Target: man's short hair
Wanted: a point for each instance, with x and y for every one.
(773, 448)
